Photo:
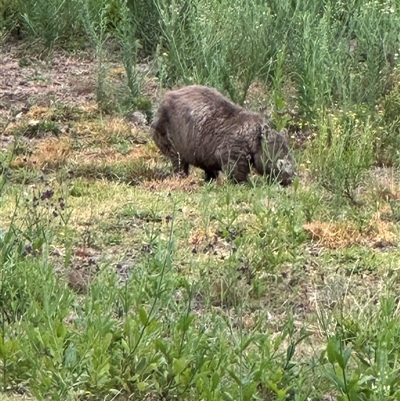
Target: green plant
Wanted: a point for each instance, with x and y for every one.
(347, 385)
(144, 13)
(50, 21)
(200, 47)
(342, 154)
(97, 32)
(38, 128)
(367, 367)
(280, 118)
(279, 230)
(387, 127)
(126, 34)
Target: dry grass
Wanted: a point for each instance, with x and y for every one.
(189, 184)
(343, 234)
(39, 113)
(106, 128)
(48, 154)
(96, 142)
(112, 156)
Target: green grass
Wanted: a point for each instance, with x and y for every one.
(119, 281)
(5, 397)
(212, 293)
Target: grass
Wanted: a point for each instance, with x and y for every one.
(4, 397)
(118, 280)
(170, 287)
(178, 288)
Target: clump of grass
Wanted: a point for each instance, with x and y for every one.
(388, 126)
(37, 129)
(349, 362)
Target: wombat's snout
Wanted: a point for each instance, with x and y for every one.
(286, 181)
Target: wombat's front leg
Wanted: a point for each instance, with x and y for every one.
(210, 175)
(238, 171)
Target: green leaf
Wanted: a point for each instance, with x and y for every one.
(70, 356)
(142, 364)
(161, 346)
(346, 357)
(185, 322)
(227, 396)
(234, 377)
(143, 316)
(141, 386)
(273, 386)
(366, 379)
(179, 365)
(332, 350)
(281, 394)
(296, 183)
(125, 346)
(290, 352)
(351, 383)
(215, 379)
(335, 379)
(38, 243)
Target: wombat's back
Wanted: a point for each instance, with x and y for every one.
(199, 100)
(198, 112)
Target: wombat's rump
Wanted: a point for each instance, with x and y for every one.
(198, 126)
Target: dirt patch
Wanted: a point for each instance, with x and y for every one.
(51, 108)
(65, 79)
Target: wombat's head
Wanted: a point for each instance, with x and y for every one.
(273, 157)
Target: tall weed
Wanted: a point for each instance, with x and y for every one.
(49, 21)
(342, 153)
(220, 44)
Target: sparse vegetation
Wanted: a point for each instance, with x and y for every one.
(118, 280)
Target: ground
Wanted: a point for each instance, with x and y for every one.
(100, 172)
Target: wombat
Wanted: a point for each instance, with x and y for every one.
(198, 126)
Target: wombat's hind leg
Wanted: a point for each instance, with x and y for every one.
(163, 143)
(167, 148)
(210, 175)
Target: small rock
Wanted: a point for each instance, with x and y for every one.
(137, 118)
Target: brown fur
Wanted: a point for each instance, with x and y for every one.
(198, 126)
